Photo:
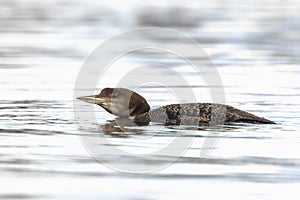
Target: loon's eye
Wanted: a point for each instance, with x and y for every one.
(115, 94)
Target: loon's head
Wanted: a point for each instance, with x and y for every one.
(119, 101)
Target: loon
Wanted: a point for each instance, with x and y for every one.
(125, 103)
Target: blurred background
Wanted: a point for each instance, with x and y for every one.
(255, 46)
(70, 30)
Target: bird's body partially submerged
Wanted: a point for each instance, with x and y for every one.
(126, 103)
(200, 114)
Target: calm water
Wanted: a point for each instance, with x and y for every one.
(255, 47)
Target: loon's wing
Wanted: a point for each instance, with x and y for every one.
(189, 114)
(203, 114)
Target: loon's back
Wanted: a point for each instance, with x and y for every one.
(202, 114)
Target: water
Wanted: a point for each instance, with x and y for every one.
(255, 46)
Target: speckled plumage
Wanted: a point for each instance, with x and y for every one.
(202, 114)
(126, 103)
